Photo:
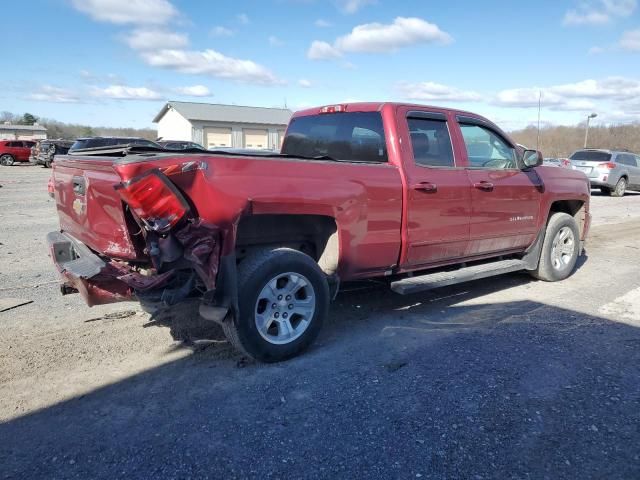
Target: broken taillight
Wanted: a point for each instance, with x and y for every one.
(607, 165)
(154, 199)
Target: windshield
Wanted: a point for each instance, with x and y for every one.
(591, 155)
(355, 136)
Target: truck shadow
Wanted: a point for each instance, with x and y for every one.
(409, 384)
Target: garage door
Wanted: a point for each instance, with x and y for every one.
(280, 138)
(217, 137)
(255, 138)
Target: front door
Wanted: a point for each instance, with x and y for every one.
(505, 201)
(438, 196)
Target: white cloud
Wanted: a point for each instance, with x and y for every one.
(194, 91)
(430, 91)
(275, 41)
(631, 40)
(304, 83)
(243, 18)
(212, 63)
(221, 31)
(122, 92)
(49, 93)
(352, 6)
(149, 12)
(403, 32)
(599, 12)
(572, 96)
(381, 38)
(596, 50)
(322, 51)
(144, 39)
(320, 23)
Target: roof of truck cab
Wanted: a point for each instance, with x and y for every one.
(377, 106)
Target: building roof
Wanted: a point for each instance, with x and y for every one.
(227, 113)
(33, 128)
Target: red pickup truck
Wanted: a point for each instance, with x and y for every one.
(420, 196)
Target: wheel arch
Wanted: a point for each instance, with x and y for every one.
(314, 235)
(575, 208)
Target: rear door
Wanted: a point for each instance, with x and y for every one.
(438, 192)
(505, 200)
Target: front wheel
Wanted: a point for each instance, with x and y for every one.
(560, 249)
(6, 160)
(283, 299)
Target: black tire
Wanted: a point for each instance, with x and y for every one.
(254, 273)
(620, 188)
(605, 191)
(7, 160)
(551, 270)
(47, 164)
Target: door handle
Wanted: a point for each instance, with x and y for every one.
(427, 187)
(487, 186)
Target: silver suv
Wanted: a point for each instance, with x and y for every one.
(612, 171)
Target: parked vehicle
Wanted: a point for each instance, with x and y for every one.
(180, 145)
(421, 197)
(48, 149)
(557, 162)
(613, 171)
(82, 145)
(12, 151)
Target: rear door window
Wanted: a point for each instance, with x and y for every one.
(344, 136)
(430, 142)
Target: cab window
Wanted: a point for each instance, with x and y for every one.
(485, 149)
(430, 142)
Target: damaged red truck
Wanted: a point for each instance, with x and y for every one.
(420, 196)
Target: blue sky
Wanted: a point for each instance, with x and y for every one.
(114, 62)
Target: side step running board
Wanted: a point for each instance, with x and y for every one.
(466, 274)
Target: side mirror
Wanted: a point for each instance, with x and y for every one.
(531, 158)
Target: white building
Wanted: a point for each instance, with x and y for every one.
(230, 126)
(9, 131)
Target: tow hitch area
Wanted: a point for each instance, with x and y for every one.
(101, 281)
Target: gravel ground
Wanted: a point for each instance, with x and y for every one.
(499, 378)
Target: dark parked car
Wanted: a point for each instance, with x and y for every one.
(48, 149)
(88, 143)
(180, 145)
(12, 151)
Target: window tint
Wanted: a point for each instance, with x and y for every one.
(355, 136)
(486, 149)
(591, 155)
(430, 142)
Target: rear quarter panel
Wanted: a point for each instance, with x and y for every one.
(364, 199)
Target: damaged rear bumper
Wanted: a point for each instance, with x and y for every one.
(83, 271)
(101, 280)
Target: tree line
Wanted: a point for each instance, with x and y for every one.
(71, 131)
(560, 141)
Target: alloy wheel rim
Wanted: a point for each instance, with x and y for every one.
(284, 308)
(563, 248)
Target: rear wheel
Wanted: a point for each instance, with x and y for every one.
(283, 297)
(560, 249)
(47, 164)
(6, 160)
(620, 188)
